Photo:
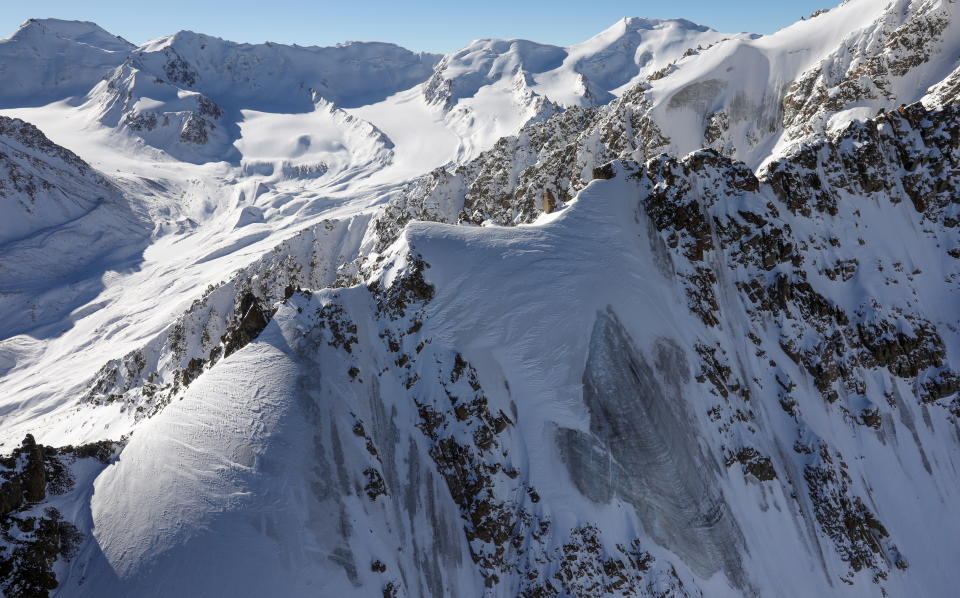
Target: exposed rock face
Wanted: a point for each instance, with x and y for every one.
(862, 541)
(34, 537)
(642, 449)
(252, 320)
(34, 476)
(226, 318)
(549, 201)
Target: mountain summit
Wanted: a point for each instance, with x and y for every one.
(51, 59)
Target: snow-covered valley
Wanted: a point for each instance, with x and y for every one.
(668, 312)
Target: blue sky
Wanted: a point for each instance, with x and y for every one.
(433, 25)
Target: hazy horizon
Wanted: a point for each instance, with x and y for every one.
(429, 26)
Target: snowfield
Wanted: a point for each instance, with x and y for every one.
(669, 312)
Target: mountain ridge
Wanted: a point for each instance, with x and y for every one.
(695, 337)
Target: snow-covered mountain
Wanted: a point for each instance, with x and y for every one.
(52, 59)
(504, 84)
(185, 93)
(665, 313)
(585, 74)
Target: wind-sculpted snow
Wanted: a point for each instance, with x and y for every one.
(226, 508)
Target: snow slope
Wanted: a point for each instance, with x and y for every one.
(63, 223)
(325, 142)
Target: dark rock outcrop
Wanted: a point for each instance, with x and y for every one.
(33, 537)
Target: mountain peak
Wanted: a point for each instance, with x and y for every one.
(52, 59)
(641, 23)
(83, 32)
